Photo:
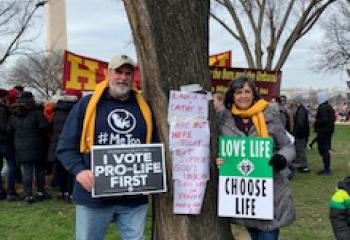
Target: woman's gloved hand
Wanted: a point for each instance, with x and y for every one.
(278, 162)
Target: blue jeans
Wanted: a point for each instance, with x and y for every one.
(257, 234)
(92, 223)
(7, 151)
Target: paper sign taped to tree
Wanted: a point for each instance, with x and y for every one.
(128, 169)
(184, 105)
(188, 196)
(194, 133)
(191, 163)
(245, 178)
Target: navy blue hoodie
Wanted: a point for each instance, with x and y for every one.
(117, 122)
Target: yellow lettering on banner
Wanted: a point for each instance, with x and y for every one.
(216, 74)
(76, 73)
(219, 60)
(222, 60)
(222, 89)
(240, 74)
(212, 60)
(227, 74)
(265, 77)
(264, 91)
(250, 74)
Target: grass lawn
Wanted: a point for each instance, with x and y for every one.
(312, 192)
(54, 219)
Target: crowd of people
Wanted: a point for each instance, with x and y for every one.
(57, 138)
(28, 139)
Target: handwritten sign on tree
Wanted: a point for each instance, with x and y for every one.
(188, 196)
(193, 133)
(184, 105)
(189, 140)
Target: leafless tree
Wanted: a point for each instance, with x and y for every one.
(40, 72)
(267, 30)
(15, 21)
(333, 54)
(171, 39)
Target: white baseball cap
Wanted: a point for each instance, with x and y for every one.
(120, 60)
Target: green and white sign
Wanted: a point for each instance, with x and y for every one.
(245, 178)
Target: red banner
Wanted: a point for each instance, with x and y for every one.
(267, 82)
(220, 59)
(83, 73)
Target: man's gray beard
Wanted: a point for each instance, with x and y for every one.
(117, 92)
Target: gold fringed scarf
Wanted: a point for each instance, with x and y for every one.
(256, 113)
(88, 132)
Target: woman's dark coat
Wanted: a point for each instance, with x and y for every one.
(284, 212)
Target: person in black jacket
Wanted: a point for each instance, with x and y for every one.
(6, 149)
(301, 133)
(324, 127)
(28, 127)
(61, 176)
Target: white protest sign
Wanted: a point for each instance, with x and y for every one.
(184, 105)
(245, 178)
(193, 133)
(188, 196)
(191, 163)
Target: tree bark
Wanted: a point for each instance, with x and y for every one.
(171, 39)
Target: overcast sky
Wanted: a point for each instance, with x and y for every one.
(100, 29)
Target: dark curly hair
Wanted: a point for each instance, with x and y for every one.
(236, 84)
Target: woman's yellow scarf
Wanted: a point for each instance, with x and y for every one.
(256, 113)
(88, 132)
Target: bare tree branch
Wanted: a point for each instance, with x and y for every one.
(15, 19)
(284, 28)
(334, 51)
(40, 72)
(222, 23)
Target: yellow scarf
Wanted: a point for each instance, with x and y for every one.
(88, 132)
(256, 113)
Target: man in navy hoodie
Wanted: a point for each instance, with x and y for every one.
(114, 114)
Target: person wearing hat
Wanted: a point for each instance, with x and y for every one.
(28, 127)
(15, 93)
(116, 113)
(324, 128)
(6, 149)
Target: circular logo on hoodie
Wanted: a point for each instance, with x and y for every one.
(121, 121)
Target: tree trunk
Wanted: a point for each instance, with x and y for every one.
(171, 38)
